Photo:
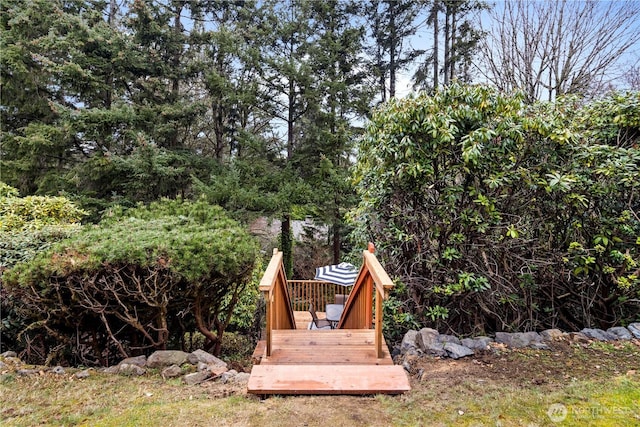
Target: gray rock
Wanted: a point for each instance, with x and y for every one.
(228, 376)
(112, 369)
(3, 365)
(196, 377)
(578, 337)
(426, 337)
(634, 328)
(201, 366)
(26, 372)
(444, 338)
(456, 351)
(242, 377)
(598, 334)
(436, 349)
(9, 354)
(137, 360)
(518, 339)
(58, 370)
(409, 341)
(428, 342)
(551, 334)
(476, 343)
(202, 356)
(539, 346)
(83, 374)
(126, 369)
(171, 371)
(163, 358)
(620, 332)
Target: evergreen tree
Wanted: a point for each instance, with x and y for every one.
(335, 58)
(460, 39)
(392, 22)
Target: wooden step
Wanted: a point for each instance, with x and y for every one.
(327, 379)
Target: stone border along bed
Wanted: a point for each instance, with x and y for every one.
(428, 341)
(200, 366)
(194, 368)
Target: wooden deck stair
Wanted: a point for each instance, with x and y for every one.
(326, 362)
(350, 359)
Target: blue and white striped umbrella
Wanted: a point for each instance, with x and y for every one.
(343, 274)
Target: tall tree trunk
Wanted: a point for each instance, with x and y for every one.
(447, 34)
(392, 51)
(336, 238)
(287, 244)
(436, 31)
(453, 48)
(108, 94)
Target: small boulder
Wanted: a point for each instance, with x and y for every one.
(163, 358)
(598, 334)
(634, 328)
(137, 360)
(456, 351)
(621, 332)
(82, 374)
(539, 346)
(426, 337)
(242, 377)
(429, 343)
(58, 370)
(171, 371)
(476, 343)
(578, 337)
(9, 354)
(111, 369)
(195, 378)
(126, 369)
(409, 341)
(228, 376)
(551, 334)
(436, 349)
(204, 357)
(518, 339)
(444, 338)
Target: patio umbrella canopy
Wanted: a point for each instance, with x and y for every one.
(343, 274)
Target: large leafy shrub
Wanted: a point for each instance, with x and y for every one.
(137, 281)
(28, 226)
(496, 215)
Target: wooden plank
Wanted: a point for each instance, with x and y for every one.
(271, 273)
(259, 352)
(323, 379)
(338, 347)
(378, 324)
(380, 277)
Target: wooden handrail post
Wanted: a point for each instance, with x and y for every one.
(378, 325)
(279, 314)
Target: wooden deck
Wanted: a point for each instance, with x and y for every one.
(338, 361)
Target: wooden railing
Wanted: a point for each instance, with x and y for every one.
(316, 292)
(282, 297)
(372, 285)
(274, 288)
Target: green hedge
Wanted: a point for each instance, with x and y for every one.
(137, 281)
(496, 215)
